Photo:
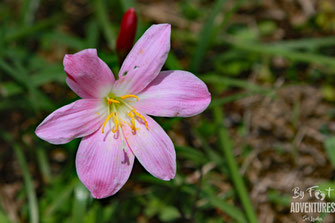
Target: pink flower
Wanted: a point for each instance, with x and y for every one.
(112, 115)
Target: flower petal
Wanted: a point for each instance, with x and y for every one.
(145, 60)
(153, 148)
(174, 93)
(88, 75)
(77, 119)
(103, 166)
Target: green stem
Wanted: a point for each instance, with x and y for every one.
(227, 147)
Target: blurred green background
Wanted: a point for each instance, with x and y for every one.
(270, 68)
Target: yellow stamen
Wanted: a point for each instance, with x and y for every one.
(112, 100)
(132, 120)
(107, 119)
(131, 114)
(129, 96)
(115, 124)
(141, 117)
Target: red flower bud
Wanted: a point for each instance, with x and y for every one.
(125, 39)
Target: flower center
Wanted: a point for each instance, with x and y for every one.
(113, 104)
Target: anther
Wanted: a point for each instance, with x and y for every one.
(132, 120)
(112, 100)
(107, 119)
(129, 96)
(115, 124)
(141, 117)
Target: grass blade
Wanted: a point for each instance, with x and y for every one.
(329, 145)
(172, 62)
(92, 35)
(29, 9)
(227, 147)
(274, 50)
(231, 82)
(61, 198)
(205, 36)
(21, 78)
(231, 98)
(4, 218)
(226, 207)
(28, 182)
(102, 17)
(26, 31)
(44, 164)
(81, 196)
(307, 43)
